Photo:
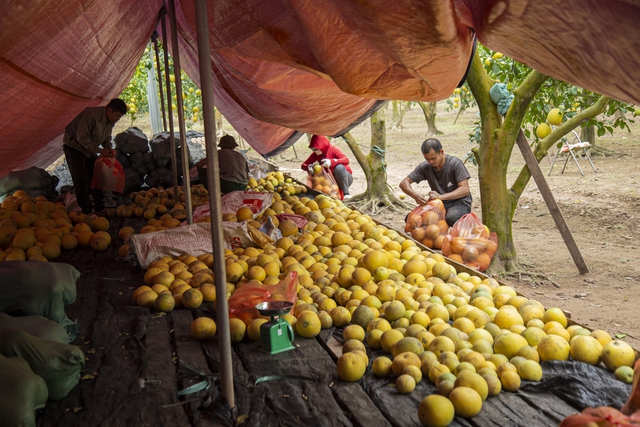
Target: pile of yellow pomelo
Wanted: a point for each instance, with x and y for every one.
(470, 336)
(34, 229)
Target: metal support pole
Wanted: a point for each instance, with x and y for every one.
(184, 150)
(164, 114)
(215, 205)
(172, 140)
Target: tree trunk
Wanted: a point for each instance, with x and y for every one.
(379, 195)
(429, 109)
(588, 133)
(493, 154)
(398, 108)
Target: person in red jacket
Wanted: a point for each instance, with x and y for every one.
(332, 157)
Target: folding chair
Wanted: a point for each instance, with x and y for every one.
(568, 148)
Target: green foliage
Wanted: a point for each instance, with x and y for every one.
(135, 94)
(553, 94)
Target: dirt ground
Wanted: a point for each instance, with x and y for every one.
(600, 208)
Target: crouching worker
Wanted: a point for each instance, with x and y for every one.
(331, 157)
(448, 178)
(234, 169)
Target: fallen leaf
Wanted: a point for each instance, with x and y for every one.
(88, 377)
(621, 335)
(78, 409)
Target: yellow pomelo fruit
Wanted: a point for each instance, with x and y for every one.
(409, 344)
(100, 224)
(543, 130)
(555, 314)
(389, 338)
(238, 329)
(509, 344)
(414, 371)
(624, 374)
(618, 353)
(308, 324)
(603, 337)
(472, 380)
(405, 384)
(165, 302)
(530, 370)
(192, 299)
(403, 360)
(382, 366)
(146, 298)
(466, 401)
(362, 316)
(555, 117)
(99, 243)
(341, 316)
(203, 328)
(253, 331)
(352, 345)
(352, 332)
(493, 383)
(510, 381)
(586, 349)
(244, 214)
(436, 411)
(351, 367)
(394, 311)
(553, 347)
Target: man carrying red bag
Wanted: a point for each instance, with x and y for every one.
(332, 157)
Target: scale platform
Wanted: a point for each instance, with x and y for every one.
(276, 336)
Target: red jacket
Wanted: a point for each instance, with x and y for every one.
(329, 151)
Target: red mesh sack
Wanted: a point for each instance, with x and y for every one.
(427, 225)
(633, 404)
(603, 416)
(469, 242)
(322, 180)
(242, 303)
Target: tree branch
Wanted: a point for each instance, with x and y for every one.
(357, 152)
(480, 84)
(541, 148)
(523, 96)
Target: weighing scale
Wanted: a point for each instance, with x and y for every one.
(276, 335)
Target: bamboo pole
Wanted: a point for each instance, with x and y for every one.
(159, 71)
(215, 204)
(184, 150)
(172, 140)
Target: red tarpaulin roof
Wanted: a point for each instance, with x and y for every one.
(282, 66)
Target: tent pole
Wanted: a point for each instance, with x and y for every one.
(172, 140)
(155, 47)
(215, 205)
(184, 150)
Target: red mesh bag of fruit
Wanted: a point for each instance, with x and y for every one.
(469, 242)
(322, 180)
(427, 225)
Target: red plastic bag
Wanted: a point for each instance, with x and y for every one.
(108, 175)
(469, 242)
(324, 182)
(427, 225)
(242, 303)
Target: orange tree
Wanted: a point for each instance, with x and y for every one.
(535, 95)
(135, 94)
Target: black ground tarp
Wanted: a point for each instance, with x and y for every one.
(137, 362)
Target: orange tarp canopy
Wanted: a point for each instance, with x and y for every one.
(287, 66)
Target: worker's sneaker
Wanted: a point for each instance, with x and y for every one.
(347, 196)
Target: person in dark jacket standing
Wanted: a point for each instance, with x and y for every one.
(83, 137)
(331, 157)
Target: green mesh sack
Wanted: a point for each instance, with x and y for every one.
(37, 326)
(41, 288)
(58, 364)
(21, 393)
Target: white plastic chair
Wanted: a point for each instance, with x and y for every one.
(569, 148)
